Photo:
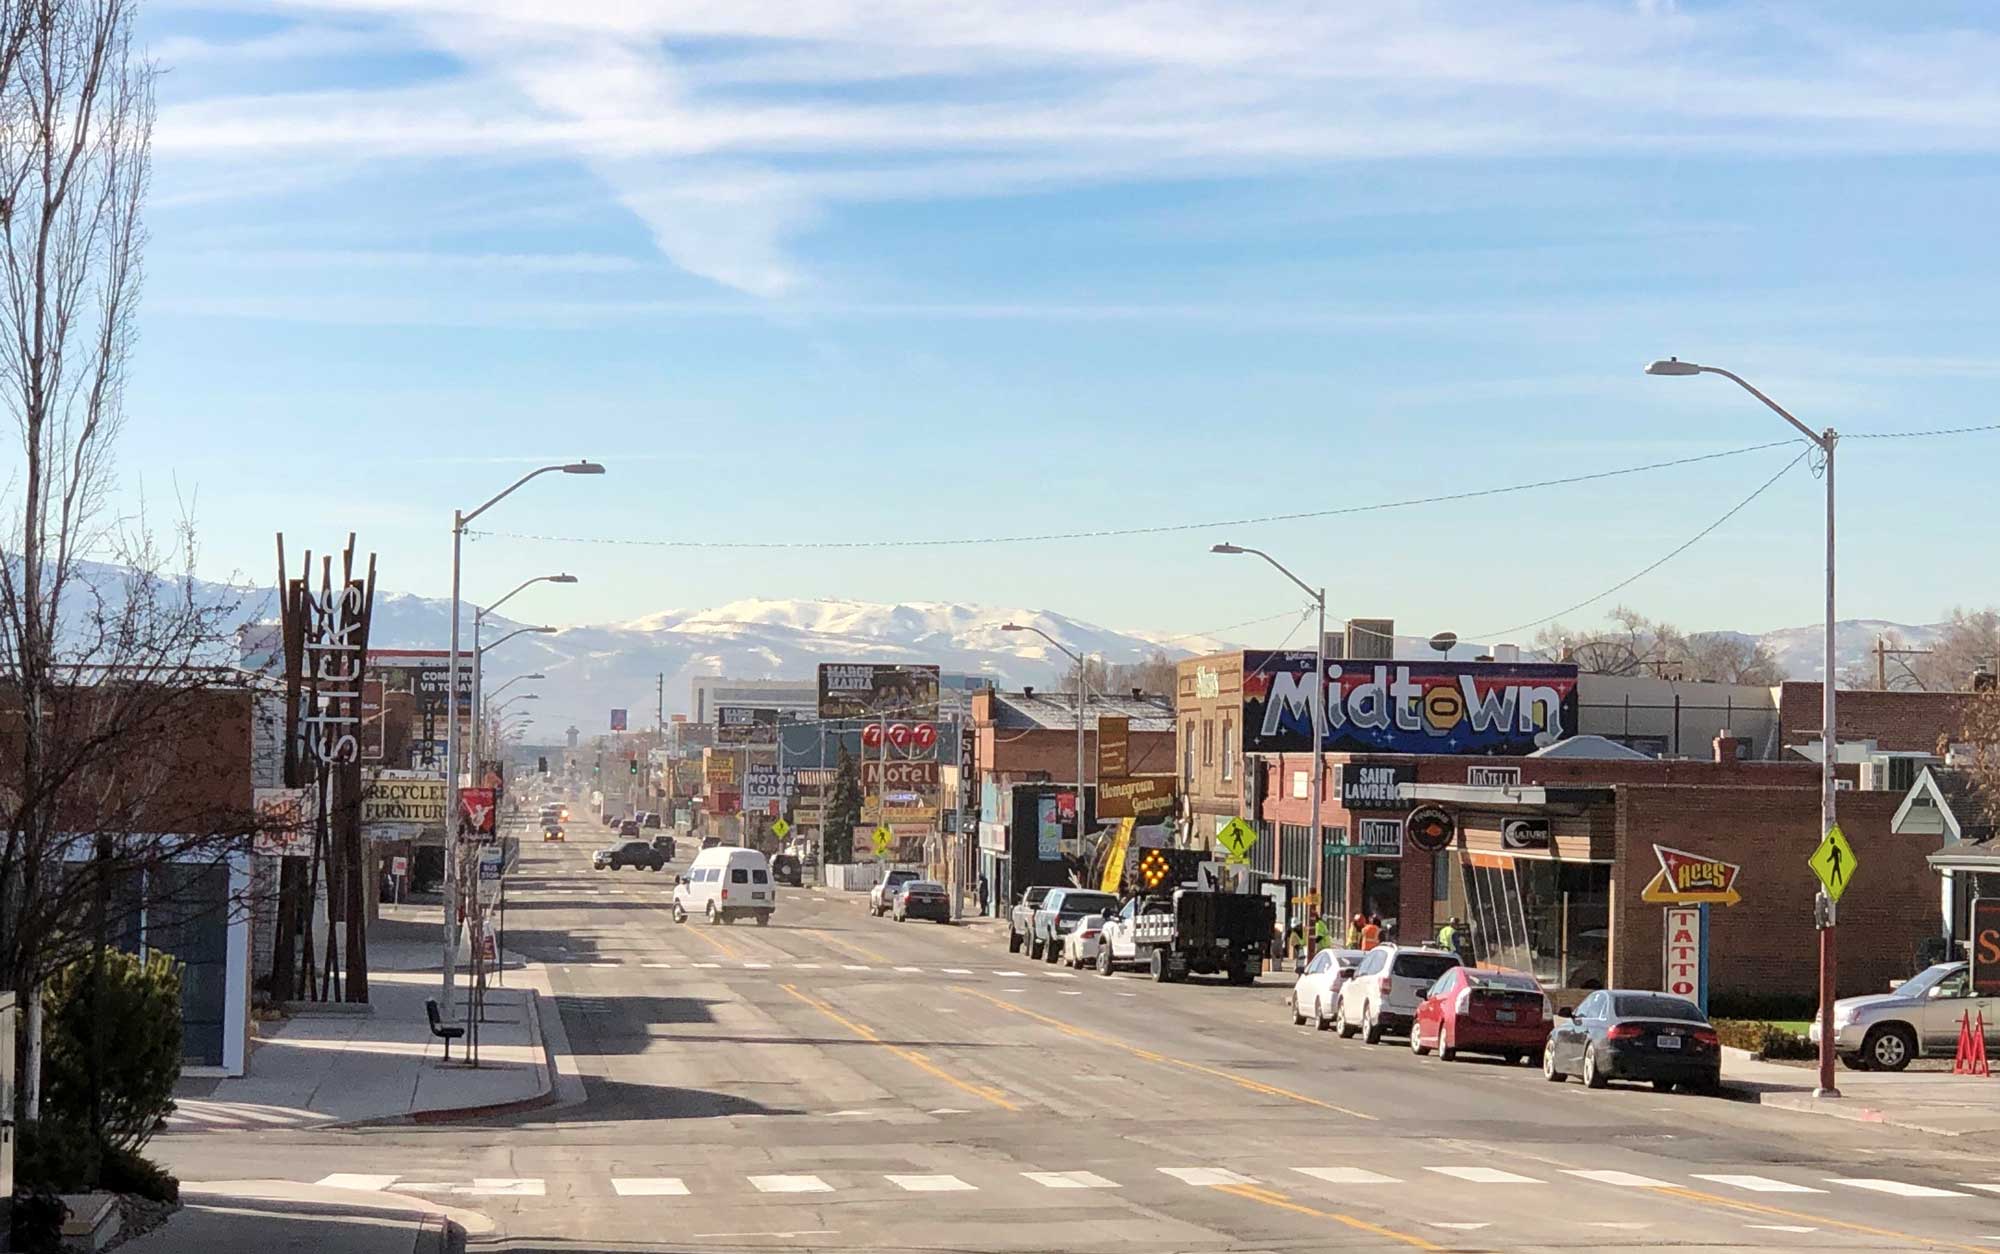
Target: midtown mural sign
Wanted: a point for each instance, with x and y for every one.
(1407, 707)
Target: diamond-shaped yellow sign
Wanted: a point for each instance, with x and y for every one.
(1834, 862)
(1237, 836)
(779, 828)
(883, 838)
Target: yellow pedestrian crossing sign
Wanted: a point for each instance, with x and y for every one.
(1237, 836)
(1834, 862)
(883, 838)
(779, 829)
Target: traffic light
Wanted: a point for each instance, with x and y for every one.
(633, 762)
(543, 765)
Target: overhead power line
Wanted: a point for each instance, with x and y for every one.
(1157, 529)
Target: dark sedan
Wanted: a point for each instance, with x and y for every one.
(922, 899)
(1620, 1034)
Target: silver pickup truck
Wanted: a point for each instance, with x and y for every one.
(1021, 919)
(1059, 914)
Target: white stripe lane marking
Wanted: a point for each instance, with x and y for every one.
(1483, 1175)
(1757, 1184)
(929, 1184)
(1346, 1175)
(911, 970)
(956, 970)
(1895, 1187)
(708, 966)
(1205, 1176)
(351, 1180)
(1069, 1180)
(790, 1184)
(855, 966)
(1800, 1228)
(1622, 1179)
(756, 966)
(805, 966)
(648, 1186)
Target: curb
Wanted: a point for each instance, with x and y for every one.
(454, 1114)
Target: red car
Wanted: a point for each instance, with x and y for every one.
(1483, 1012)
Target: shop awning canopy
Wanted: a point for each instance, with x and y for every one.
(1945, 801)
(1531, 797)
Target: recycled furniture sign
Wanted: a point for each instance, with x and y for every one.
(1692, 879)
(1834, 862)
(409, 797)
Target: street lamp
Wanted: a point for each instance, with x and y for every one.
(1318, 709)
(1824, 441)
(459, 520)
(1079, 717)
(479, 671)
(510, 683)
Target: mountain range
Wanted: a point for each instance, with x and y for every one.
(593, 668)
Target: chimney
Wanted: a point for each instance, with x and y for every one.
(1027, 692)
(1725, 746)
(1139, 694)
(1982, 680)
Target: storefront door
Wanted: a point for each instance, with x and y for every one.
(1382, 894)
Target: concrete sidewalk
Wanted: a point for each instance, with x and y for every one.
(1936, 1102)
(383, 1064)
(278, 1216)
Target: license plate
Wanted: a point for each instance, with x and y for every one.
(1667, 1042)
(756, 896)
(1503, 1016)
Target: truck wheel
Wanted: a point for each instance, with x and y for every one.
(680, 914)
(1159, 966)
(1889, 1047)
(1013, 941)
(1035, 948)
(1104, 960)
(1051, 952)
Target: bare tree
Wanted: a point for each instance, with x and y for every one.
(1153, 675)
(1968, 643)
(1632, 644)
(115, 699)
(1979, 748)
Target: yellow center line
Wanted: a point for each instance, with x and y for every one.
(1759, 1208)
(852, 950)
(910, 1056)
(699, 932)
(1268, 1198)
(1085, 1034)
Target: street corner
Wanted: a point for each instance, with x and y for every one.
(427, 1222)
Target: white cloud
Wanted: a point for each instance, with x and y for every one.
(729, 128)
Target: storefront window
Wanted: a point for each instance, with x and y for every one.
(1549, 918)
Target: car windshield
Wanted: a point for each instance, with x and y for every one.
(1922, 982)
(1425, 967)
(1506, 979)
(923, 886)
(1654, 1006)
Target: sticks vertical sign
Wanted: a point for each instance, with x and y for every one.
(325, 632)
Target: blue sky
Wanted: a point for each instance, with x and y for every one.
(822, 270)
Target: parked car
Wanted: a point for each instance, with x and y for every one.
(1080, 945)
(1021, 919)
(883, 895)
(922, 899)
(1058, 916)
(665, 844)
(785, 869)
(1620, 1034)
(1383, 993)
(610, 818)
(711, 842)
(724, 884)
(629, 828)
(1483, 1012)
(1918, 1019)
(1317, 989)
(652, 820)
(632, 853)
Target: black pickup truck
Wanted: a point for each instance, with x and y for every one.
(1206, 933)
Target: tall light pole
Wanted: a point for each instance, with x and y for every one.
(1079, 717)
(478, 669)
(1318, 711)
(490, 697)
(459, 520)
(1824, 441)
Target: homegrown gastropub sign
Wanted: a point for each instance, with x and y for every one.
(1407, 707)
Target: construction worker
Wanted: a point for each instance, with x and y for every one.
(1354, 931)
(1322, 933)
(1371, 933)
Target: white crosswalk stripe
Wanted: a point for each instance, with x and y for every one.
(351, 1180)
(648, 1186)
(1895, 1187)
(929, 1184)
(1346, 1175)
(790, 1184)
(1205, 1176)
(1069, 1180)
(198, 1115)
(1621, 1179)
(1484, 1175)
(1757, 1184)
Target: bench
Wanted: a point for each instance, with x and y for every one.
(440, 1029)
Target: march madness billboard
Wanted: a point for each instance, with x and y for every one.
(1494, 708)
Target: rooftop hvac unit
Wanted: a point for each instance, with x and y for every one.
(1506, 652)
(1371, 639)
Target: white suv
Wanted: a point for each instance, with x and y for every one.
(1383, 993)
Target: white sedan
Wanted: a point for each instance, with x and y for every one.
(1317, 991)
(1079, 947)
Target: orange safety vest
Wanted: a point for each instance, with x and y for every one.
(1371, 936)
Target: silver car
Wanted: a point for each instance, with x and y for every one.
(1920, 1019)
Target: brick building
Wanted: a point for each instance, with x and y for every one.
(1550, 856)
(1896, 722)
(1025, 760)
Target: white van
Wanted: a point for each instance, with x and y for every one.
(725, 883)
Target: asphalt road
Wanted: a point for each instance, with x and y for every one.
(839, 1082)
